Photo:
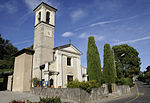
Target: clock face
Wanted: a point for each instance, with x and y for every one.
(49, 33)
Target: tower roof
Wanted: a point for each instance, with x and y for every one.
(44, 4)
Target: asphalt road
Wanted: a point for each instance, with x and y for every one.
(143, 95)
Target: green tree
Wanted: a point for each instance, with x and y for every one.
(109, 66)
(126, 60)
(147, 77)
(93, 61)
(31, 47)
(7, 50)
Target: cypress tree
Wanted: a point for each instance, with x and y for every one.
(93, 61)
(109, 66)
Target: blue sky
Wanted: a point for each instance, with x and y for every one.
(110, 21)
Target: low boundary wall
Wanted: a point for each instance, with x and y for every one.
(80, 95)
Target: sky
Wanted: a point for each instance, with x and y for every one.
(109, 21)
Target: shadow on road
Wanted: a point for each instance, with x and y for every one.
(146, 84)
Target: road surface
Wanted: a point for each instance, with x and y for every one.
(143, 95)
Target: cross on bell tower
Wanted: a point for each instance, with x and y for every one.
(43, 36)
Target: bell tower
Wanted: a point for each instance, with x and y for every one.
(43, 36)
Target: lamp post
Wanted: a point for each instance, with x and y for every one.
(41, 68)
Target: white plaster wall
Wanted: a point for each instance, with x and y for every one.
(64, 70)
(22, 73)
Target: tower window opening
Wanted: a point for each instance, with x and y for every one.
(39, 17)
(47, 17)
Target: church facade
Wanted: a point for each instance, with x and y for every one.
(54, 66)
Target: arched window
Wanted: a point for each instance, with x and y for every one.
(47, 17)
(51, 82)
(39, 17)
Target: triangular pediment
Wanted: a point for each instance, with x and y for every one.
(69, 48)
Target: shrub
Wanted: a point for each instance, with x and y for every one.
(35, 81)
(125, 81)
(14, 101)
(141, 78)
(128, 81)
(50, 100)
(87, 86)
(73, 84)
(147, 77)
(27, 101)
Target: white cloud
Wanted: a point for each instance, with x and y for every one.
(132, 41)
(118, 20)
(105, 22)
(22, 42)
(77, 15)
(10, 6)
(24, 18)
(83, 35)
(67, 34)
(33, 3)
(97, 37)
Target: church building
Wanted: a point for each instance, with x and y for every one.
(54, 66)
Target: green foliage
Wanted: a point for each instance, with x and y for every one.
(141, 77)
(1, 80)
(42, 100)
(27, 101)
(14, 101)
(35, 81)
(127, 61)
(87, 86)
(31, 47)
(50, 100)
(124, 81)
(147, 77)
(109, 73)
(7, 50)
(93, 61)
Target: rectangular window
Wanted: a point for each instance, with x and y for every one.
(68, 61)
(47, 17)
(39, 17)
(69, 78)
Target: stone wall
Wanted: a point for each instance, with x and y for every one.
(80, 95)
(22, 70)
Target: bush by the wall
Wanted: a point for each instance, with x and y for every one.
(125, 81)
(35, 81)
(14, 101)
(87, 86)
(50, 100)
(42, 100)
